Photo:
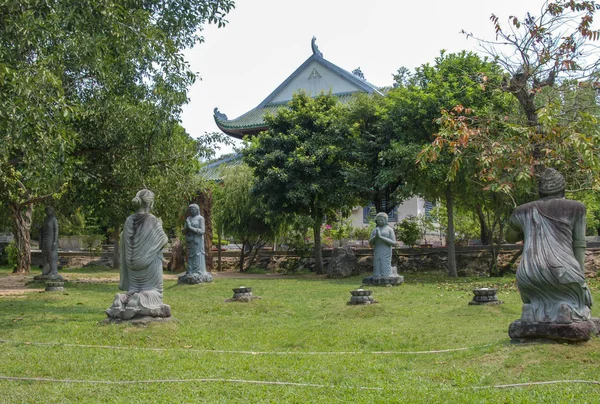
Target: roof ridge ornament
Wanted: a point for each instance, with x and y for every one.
(220, 116)
(315, 48)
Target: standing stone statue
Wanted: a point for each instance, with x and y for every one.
(194, 238)
(383, 239)
(142, 241)
(49, 246)
(550, 277)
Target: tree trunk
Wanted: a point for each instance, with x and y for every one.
(242, 252)
(485, 235)
(317, 237)
(204, 199)
(219, 252)
(21, 215)
(176, 263)
(450, 237)
(116, 249)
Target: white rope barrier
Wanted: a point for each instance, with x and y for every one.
(165, 381)
(273, 383)
(59, 344)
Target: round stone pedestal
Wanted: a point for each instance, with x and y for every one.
(242, 294)
(383, 280)
(55, 286)
(361, 296)
(195, 278)
(485, 296)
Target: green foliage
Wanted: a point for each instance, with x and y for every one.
(337, 228)
(300, 162)
(92, 243)
(98, 88)
(466, 225)
(239, 213)
(12, 253)
(296, 235)
(363, 233)
(408, 231)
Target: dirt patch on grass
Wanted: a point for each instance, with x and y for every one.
(16, 284)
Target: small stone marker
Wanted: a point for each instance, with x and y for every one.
(361, 296)
(242, 294)
(55, 286)
(485, 296)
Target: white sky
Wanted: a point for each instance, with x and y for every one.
(266, 40)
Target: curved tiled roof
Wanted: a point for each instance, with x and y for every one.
(252, 122)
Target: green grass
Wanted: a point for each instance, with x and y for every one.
(300, 331)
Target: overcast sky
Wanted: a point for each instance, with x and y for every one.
(266, 40)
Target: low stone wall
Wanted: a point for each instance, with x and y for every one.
(471, 261)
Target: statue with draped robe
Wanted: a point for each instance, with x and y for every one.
(550, 276)
(142, 241)
(196, 256)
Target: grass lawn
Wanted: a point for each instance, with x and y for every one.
(299, 343)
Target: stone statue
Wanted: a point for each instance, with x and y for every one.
(383, 239)
(194, 238)
(49, 246)
(550, 276)
(142, 241)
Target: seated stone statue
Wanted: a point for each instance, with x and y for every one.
(383, 239)
(550, 276)
(49, 246)
(194, 237)
(142, 241)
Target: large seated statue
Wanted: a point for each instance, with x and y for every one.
(383, 239)
(194, 238)
(142, 241)
(550, 276)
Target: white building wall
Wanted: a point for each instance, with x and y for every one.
(314, 79)
(413, 206)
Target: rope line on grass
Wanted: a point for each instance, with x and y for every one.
(207, 380)
(507, 386)
(59, 344)
(272, 383)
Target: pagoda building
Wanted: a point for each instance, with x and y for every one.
(314, 76)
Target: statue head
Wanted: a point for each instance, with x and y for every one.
(551, 183)
(381, 219)
(49, 211)
(194, 209)
(144, 199)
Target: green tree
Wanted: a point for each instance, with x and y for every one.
(300, 161)
(74, 77)
(370, 125)
(540, 52)
(414, 107)
(241, 214)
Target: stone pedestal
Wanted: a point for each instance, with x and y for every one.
(361, 296)
(55, 286)
(242, 294)
(580, 331)
(383, 281)
(485, 296)
(48, 277)
(195, 278)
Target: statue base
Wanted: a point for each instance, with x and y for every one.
(383, 280)
(48, 277)
(242, 294)
(195, 278)
(580, 331)
(141, 320)
(142, 304)
(55, 286)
